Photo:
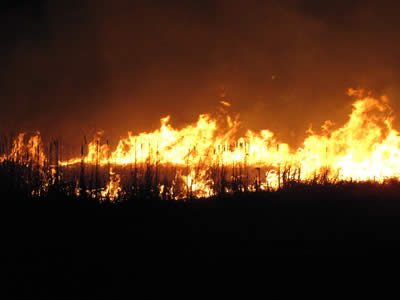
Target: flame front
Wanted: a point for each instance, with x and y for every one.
(365, 148)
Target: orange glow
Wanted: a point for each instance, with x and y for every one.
(113, 188)
(26, 152)
(365, 148)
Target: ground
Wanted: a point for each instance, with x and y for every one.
(66, 237)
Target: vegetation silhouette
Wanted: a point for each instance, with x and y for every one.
(316, 217)
(62, 219)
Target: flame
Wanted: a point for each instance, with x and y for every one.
(25, 151)
(113, 189)
(365, 148)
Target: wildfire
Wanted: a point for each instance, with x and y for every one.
(209, 152)
(113, 188)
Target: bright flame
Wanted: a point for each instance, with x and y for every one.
(113, 188)
(26, 151)
(365, 148)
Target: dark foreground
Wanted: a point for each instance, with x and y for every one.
(321, 220)
(70, 235)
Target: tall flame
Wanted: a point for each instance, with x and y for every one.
(26, 151)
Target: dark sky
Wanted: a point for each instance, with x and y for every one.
(69, 67)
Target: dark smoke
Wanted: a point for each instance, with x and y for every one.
(70, 67)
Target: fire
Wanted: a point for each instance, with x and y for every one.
(113, 188)
(365, 148)
(209, 157)
(26, 151)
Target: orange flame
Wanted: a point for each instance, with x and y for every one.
(365, 148)
(26, 151)
(113, 188)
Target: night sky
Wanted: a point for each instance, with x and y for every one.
(70, 67)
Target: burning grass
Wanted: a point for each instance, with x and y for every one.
(208, 159)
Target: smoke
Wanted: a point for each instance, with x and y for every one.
(71, 68)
